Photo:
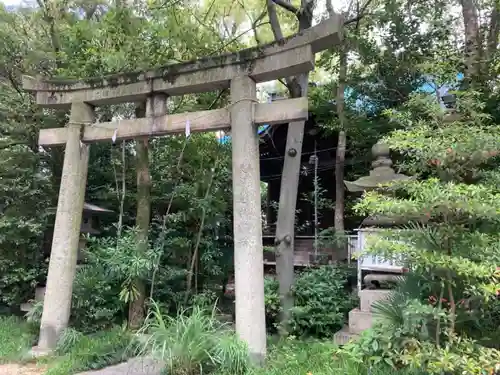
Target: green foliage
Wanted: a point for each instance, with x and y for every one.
(95, 303)
(23, 204)
(291, 356)
(455, 215)
(193, 342)
(205, 164)
(409, 333)
(80, 352)
(103, 286)
(271, 301)
(34, 315)
(399, 348)
(121, 261)
(16, 338)
(451, 240)
(322, 301)
(441, 148)
(25, 185)
(68, 340)
(91, 39)
(487, 328)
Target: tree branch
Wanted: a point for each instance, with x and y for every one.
(254, 22)
(329, 8)
(217, 99)
(274, 20)
(218, 51)
(286, 5)
(361, 14)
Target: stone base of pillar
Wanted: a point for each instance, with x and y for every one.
(37, 352)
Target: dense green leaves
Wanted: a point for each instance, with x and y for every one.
(322, 301)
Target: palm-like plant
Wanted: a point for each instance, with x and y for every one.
(193, 342)
(391, 312)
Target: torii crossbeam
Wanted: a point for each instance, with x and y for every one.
(239, 72)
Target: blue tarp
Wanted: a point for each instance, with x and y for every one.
(226, 139)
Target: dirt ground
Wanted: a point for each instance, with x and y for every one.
(28, 369)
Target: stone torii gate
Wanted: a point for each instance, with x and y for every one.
(238, 71)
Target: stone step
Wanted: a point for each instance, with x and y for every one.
(135, 366)
(343, 336)
(369, 296)
(359, 321)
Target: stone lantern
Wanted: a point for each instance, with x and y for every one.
(89, 226)
(382, 173)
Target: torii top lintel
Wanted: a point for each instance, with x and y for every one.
(291, 56)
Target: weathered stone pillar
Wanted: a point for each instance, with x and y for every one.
(62, 266)
(248, 250)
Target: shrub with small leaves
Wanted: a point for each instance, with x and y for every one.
(322, 301)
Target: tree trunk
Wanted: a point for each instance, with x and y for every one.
(194, 258)
(285, 228)
(136, 306)
(494, 30)
(340, 154)
(472, 41)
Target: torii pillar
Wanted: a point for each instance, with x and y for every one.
(249, 252)
(64, 253)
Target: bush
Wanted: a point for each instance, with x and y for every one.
(487, 328)
(291, 356)
(79, 352)
(193, 342)
(411, 343)
(104, 285)
(271, 301)
(95, 304)
(322, 301)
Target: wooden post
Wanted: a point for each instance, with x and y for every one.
(248, 249)
(62, 265)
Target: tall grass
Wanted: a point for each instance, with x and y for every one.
(289, 356)
(16, 338)
(193, 342)
(77, 352)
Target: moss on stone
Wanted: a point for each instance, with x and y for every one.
(245, 58)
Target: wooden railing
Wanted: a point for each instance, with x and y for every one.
(305, 253)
